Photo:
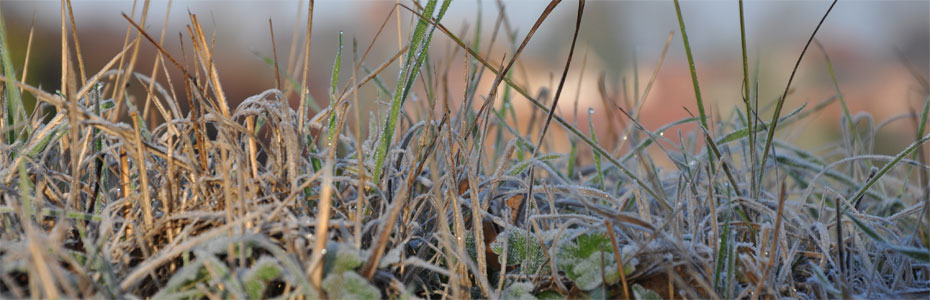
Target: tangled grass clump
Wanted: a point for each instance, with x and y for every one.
(263, 200)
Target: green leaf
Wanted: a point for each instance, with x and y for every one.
(340, 258)
(641, 293)
(258, 276)
(550, 295)
(587, 244)
(518, 291)
(349, 285)
(522, 249)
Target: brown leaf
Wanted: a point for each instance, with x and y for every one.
(514, 203)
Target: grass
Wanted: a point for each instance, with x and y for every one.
(265, 201)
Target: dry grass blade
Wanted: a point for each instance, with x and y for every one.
(263, 200)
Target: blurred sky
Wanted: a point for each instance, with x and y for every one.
(860, 36)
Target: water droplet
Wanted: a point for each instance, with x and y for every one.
(624, 137)
(590, 111)
(323, 251)
(661, 133)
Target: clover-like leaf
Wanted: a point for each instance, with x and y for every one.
(522, 249)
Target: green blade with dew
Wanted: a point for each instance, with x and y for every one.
(694, 79)
(419, 44)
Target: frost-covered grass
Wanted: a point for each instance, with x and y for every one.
(263, 200)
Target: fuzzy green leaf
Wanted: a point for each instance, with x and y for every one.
(349, 285)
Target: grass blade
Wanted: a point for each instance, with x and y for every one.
(781, 101)
(15, 111)
(419, 44)
(907, 151)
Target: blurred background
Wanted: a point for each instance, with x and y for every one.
(876, 48)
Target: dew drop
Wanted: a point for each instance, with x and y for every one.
(661, 133)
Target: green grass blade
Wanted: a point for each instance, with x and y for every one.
(915, 253)
(25, 190)
(781, 100)
(523, 165)
(744, 132)
(15, 111)
(333, 90)
(639, 147)
(749, 111)
(571, 159)
(907, 151)
(836, 88)
(694, 79)
(597, 157)
(923, 117)
(419, 44)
